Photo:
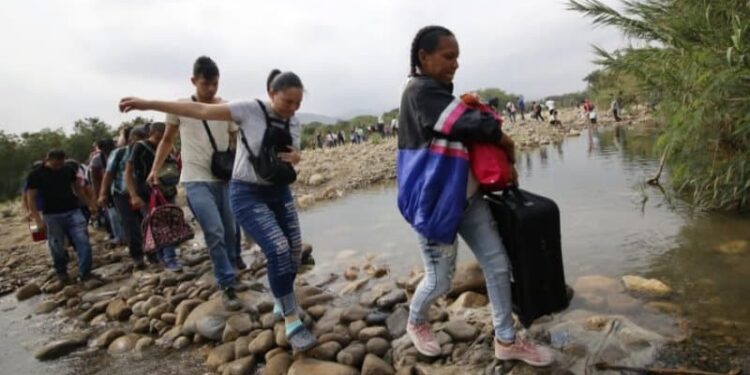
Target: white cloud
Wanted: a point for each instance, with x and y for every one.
(67, 60)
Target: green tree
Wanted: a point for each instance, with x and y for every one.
(694, 56)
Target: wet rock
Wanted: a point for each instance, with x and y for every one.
(241, 347)
(220, 355)
(142, 325)
(278, 364)
(376, 317)
(352, 355)
(263, 343)
(622, 303)
(392, 298)
(267, 321)
(240, 366)
(461, 331)
(169, 318)
(355, 327)
(45, 307)
(279, 333)
(370, 332)
(649, 287)
(306, 366)
(315, 300)
(355, 286)
(182, 342)
(316, 311)
(157, 311)
(118, 310)
(143, 343)
(123, 344)
(209, 318)
(52, 287)
(596, 323)
(351, 273)
(396, 322)
(27, 291)
(59, 348)
(373, 365)
(665, 307)
(340, 338)
(353, 313)
(328, 321)
(325, 352)
(106, 338)
(469, 300)
(468, 277)
(378, 346)
(184, 308)
(596, 284)
(736, 247)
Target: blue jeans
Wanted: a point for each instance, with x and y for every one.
(268, 214)
(73, 224)
(115, 221)
(479, 230)
(209, 202)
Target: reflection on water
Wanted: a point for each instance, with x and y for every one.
(612, 224)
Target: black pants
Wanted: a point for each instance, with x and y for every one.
(616, 113)
(131, 222)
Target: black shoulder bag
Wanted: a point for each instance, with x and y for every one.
(222, 162)
(268, 167)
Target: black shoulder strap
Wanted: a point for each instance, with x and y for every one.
(205, 126)
(247, 147)
(268, 118)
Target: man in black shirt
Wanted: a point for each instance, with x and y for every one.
(56, 184)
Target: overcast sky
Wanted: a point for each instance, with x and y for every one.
(65, 60)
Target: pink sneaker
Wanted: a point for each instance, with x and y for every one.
(423, 339)
(523, 350)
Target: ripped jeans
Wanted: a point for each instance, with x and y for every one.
(268, 214)
(479, 230)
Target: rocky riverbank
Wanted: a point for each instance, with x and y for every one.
(359, 316)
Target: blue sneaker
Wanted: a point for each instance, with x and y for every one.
(172, 265)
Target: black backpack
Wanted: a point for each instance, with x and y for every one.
(268, 167)
(222, 162)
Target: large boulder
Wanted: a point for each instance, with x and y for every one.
(210, 317)
(468, 277)
(375, 366)
(61, 347)
(648, 287)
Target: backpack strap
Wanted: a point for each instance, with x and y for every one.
(205, 126)
(268, 117)
(247, 146)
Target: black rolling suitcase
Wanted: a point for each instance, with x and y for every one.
(529, 225)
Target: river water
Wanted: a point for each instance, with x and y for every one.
(612, 225)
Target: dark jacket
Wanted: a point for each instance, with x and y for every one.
(433, 163)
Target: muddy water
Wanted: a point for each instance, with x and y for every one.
(612, 224)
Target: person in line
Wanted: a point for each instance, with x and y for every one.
(207, 196)
(550, 104)
(114, 189)
(439, 197)
(615, 108)
(521, 105)
(137, 169)
(264, 210)
(57, 185)
(537, 108)
(97, 167)
(511, 109)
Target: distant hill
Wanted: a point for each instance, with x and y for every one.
(306, 118)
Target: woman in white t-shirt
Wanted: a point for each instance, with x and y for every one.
(263, 209)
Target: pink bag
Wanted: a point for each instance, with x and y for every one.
(165, 224)
(489, 163)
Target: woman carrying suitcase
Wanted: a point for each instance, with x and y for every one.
(439, 197)
(263, 208)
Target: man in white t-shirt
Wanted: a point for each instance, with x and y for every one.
(550, 104)
(207, 195)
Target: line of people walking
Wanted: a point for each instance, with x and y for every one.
(432, 128)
